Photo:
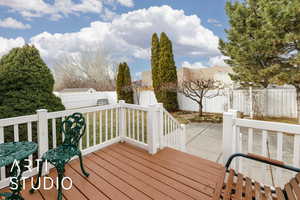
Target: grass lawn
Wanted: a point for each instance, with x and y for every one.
(106, 126)
(278, 119)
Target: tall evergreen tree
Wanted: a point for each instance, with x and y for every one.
(156, 81)
(251, 47)
(168, 74)
(124, 84)
(26, 84)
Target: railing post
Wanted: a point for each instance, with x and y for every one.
(183, 138)
(229, 136)
(42, 133)
(152, 129)
(122, 123)
(160, 123)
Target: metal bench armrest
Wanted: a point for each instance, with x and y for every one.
(261, 159)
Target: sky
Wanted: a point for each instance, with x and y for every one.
(123, 28)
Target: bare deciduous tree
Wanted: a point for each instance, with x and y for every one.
(197, 90)
(89, 69)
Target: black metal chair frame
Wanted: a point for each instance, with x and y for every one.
(73, 128)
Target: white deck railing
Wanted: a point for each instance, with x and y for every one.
(280, 141)
(150, 128)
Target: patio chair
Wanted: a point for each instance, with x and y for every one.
(239, 187)
(73, 128)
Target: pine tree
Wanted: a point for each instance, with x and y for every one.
(124, 84)
(251, 46)
(26, 84)
(283, 17)
(156, 82)
(168, 74)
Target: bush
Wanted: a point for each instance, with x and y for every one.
(26, 84)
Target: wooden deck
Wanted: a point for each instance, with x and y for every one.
(123, 172)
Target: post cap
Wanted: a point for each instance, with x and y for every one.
(41, 110)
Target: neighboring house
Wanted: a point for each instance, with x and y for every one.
(184, 74)
(77, 90)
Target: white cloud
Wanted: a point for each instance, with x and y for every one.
(194, 65)
(212, 61)
(215, 22)
(128, 3)
(217, 61)
(130, 35)
(12, 23)
(8, 44)
(60, 8)
(211, 20)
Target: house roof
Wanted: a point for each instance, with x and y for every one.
(203, 73)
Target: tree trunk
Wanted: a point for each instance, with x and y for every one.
(200, 109)
(298, 103)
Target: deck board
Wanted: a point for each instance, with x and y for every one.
(124, 172)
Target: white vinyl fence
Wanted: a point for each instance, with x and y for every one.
(273, 103)
(278, 141)
(139, 125)
(85, 99)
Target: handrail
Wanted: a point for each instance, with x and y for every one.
(256, 158)
(270, 126)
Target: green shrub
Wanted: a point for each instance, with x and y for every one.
(26, 85)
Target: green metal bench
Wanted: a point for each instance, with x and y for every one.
(73, 128)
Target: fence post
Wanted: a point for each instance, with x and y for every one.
(229, 134)
(43, 143)
(160, 125)
(122, 123)
(152, 129)
(183, 138)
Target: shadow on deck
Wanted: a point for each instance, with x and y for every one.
(122, 171)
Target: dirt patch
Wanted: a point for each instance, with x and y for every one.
(190, 116)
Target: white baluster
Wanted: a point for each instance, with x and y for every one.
(296, 151)
(133, 124)
(16, 132)
(138, 125)
(94, 128)
(143, 127)
(250, 140)
(264, 151)
(117, 122)
(54, 133)
(106, 125)
(279, 156)
(87, 130)
(111, 123)
(100, 127)
(2, 169)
